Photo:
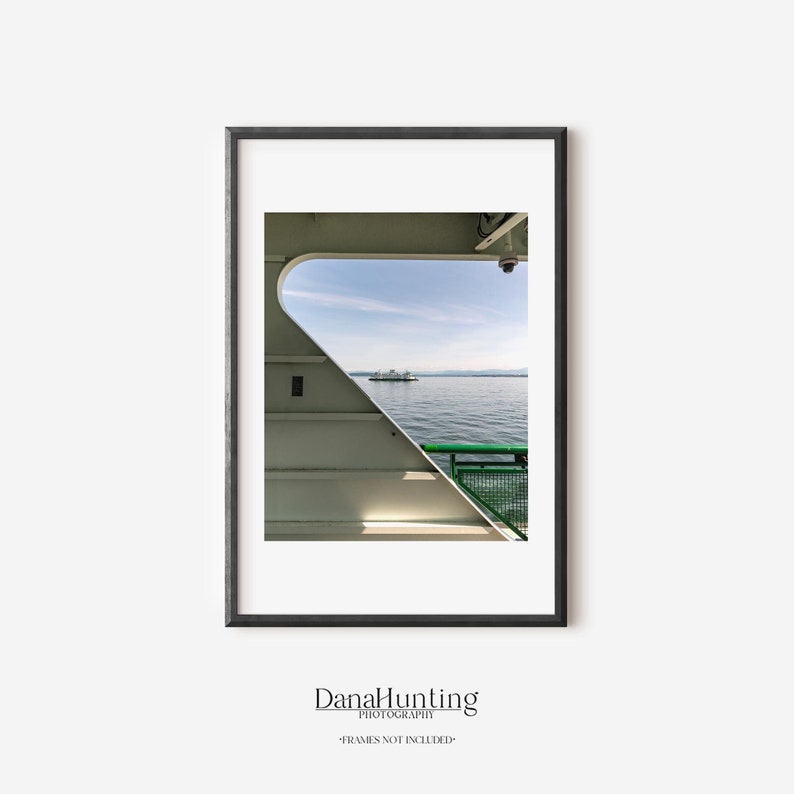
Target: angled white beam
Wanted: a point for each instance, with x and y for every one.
(500, 231)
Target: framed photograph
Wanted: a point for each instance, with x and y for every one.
(395, 376)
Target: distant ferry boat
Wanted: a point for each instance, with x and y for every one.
(392, 374)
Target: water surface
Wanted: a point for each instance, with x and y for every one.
(464, 410)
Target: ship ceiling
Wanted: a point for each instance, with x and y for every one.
(463, 235)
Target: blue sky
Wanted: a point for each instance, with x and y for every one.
(418, 315)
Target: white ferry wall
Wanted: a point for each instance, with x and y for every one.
(337, 467)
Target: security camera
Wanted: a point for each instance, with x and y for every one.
(508, 261)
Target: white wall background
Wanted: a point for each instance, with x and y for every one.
(118, 674)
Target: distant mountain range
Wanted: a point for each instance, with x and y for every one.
(463, 373)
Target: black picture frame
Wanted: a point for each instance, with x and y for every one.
(236, 134)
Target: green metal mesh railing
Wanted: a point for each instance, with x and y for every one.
(503, 491)
(499, 486)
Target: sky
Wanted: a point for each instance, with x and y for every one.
(423, 316)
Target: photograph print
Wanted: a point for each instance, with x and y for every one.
(396, 378)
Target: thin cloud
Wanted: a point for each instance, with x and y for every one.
(350, 302)
(466, 315)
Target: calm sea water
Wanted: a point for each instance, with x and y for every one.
(455, 410)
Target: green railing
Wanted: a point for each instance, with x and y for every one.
(499, 486)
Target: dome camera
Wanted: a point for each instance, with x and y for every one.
(508, 261)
